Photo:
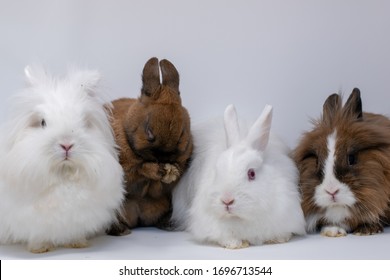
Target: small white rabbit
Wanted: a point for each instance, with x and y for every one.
(60, 179)
(241, 188)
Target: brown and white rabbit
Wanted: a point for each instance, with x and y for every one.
(344, 165)
(154, 137)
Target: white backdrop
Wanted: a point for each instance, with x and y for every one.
(290, 54)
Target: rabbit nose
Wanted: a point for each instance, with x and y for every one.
(333, 194)
(228, 202)
(66, 147)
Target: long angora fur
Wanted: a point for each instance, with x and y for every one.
(60, 180)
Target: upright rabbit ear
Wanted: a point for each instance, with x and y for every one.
(150, 77)
(353, 107)
(88, 80)
(258, 135)
(232, 128)
(35, 74)
(170, 76)
(331, 108)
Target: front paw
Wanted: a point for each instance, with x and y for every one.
(39, 248)
(118, 230)
(333, 231)
(235, 244)
(279, 239)
(77, 244)
(368, 229)
(172, 173)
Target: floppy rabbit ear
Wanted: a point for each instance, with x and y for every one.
(331, 107)
(35, 74)
(170, 76)
(232, 129)
(258, 135)
(150, 77)
(353, 107)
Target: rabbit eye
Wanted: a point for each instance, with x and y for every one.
(352, 159)
(150, 135)
(89, 122)
(43, 123)
(310, 155)
(251, 174)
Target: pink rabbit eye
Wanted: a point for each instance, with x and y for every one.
(251, 174)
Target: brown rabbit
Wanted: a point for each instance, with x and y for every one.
(344, 166)
(154, 137)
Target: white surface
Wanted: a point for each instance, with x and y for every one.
(154, 244)
(290, 54)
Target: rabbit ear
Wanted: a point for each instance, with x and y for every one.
(170, 76)
(331, 107)
(150, 77)
(353, 107)
(87, 79)
(35, 74)
(232, 128)
(258, 135)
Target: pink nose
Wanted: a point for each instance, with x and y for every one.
(332, 193)
(66, 147)
(228, 202)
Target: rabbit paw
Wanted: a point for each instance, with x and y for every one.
(368, 229)
(235, 244)
(280, 239)
(333, 231)
(39, 248)
(81, 243)
(118, 229)
(171, 173)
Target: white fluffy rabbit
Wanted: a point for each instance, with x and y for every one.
(241, 187)
(60, 180)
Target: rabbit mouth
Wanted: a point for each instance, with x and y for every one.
(231, 216)
(67, 170)
(229, 212)
(66, 158)
(228, 209)
(65, 161)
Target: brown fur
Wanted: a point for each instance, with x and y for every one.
(366, 137)
(155, 142)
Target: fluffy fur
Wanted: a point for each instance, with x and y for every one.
(344, 165)
(60, 179)
(239, 189)
(154, 137)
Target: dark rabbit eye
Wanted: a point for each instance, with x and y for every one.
(352, 159)
(43, 123)
(251, 174)
(310, 155)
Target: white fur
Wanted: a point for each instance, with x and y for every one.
(337, 205)
(45, 200)
(266, 209)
